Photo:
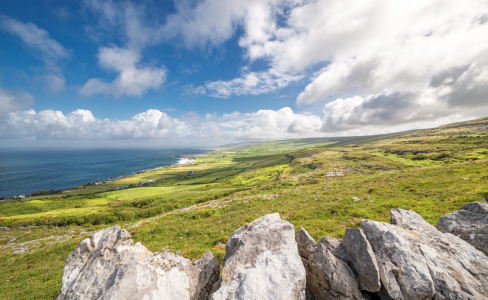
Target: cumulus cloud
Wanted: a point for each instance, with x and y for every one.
(204, 22)
(405, 46)
(157, 126)
(49, 50)
(404, 55)
(134, 78)
(82, 125)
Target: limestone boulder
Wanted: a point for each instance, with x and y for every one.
(469, 226)
(334, 246)
(416, 261)
(305, 243)
(480, 208)
(329, 277)
(262, 262)
(328, 274)
(361, 259)
(110, 266)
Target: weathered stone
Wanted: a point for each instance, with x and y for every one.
(305, 243)
(328, 274)
(476, 208)
(361, 259)
(329, 277)
(416, 261)
(471, 227)
(355, 199)
(110, 266)
(262, 262)
(334, 174)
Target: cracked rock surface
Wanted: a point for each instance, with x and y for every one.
(110, 266)
(470, 223)
(328, 274)
(416, 261)
(262, 262)
(361, 259)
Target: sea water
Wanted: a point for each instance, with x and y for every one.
(23, 171)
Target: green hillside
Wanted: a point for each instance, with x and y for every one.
(433, 172)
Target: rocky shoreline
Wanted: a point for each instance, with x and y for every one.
(406, 259)
(188, 159)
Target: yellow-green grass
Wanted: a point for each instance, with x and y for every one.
(243, 185)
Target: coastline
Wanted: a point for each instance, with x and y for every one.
(182, 160)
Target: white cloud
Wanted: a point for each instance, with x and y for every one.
(133, 80)
(406, 44)
(377, 50)
(206, 22)
(250, 83)
(11, 102)
(380, 113)
(158, 127)
(34, 37)
(192, 90)
(38, 39)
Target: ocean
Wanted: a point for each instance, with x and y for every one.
(23, 171)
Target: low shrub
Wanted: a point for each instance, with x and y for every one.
(127, 215)
(420, 156)
(204, 214)
(50, 192)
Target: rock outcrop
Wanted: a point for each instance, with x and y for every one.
(328, 276)
(110, 266)
(480, 208)
(406, 259)
(470, 224)
(262, 262)
(417, 261)
(362, 259)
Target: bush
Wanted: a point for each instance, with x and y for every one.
(420, 157)
(443, 155)
(204, 214)
(50, 192)
(5, 222)
(127, 215)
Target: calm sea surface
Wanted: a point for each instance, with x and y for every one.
(23, 171)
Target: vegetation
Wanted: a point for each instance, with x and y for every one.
(50, 192)
(432, 171)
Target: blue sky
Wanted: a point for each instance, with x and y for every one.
(201, 73)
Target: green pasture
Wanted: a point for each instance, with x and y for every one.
(432, 172)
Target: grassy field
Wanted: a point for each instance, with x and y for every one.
(432, 171)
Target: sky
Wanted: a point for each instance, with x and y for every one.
(100, 73)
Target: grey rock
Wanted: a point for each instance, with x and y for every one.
(329, 277)
(416, 261)
(305, 243)
(334, 174)
(110, 266)
(471, 227)
(334, 246)
(362, 259)
(328, 274)
(355, 199)
(262, 262)
(476, 208)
